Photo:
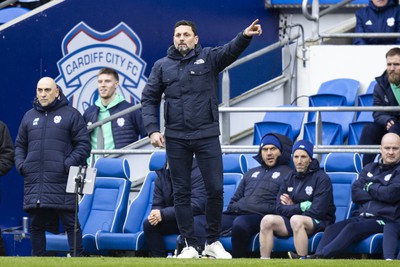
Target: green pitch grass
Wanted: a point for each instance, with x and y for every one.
(149, 262)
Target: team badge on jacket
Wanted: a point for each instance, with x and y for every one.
(57, 119)
(121, 122)
(309, 190)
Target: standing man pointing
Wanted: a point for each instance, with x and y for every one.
(188, 77)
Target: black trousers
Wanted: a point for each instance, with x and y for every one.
(209, 158)
(39, 223)
(337, 237)
(154, 236)
(241, 228)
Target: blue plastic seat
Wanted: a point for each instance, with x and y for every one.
(10, 13)
(366, 100)
(285, 123)
(341, 87)
(336, 92)
(132, 236)
(104, 210)
(331, 133)
(355, 130)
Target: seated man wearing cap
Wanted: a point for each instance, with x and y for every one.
(255, 195)
(304, 204)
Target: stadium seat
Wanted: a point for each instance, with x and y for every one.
(231, 182)
(234, 163)
(343, 169)
(285, 123)
(341, 87)
(104, 210)
(10, 13)
(355, 130)
(331, 133)
(336, 92)
(250, 162)
(364, 100)
(132, 236)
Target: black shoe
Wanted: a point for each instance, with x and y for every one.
(295, 256)
(314, 256)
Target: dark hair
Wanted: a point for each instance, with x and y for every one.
(109, 71)
(187, 23)
(393, 52)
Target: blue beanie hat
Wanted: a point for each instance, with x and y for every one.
(270, 139)
(304, 145)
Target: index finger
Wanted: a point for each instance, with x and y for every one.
(254, 22)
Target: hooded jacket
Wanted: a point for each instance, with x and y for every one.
(315, 186)
(125, 129)
(384, 96)
(372, 19)
(6, 150)
(259, 187)
(190, 86)
(163, 198)
(50, 140)
(382, 198)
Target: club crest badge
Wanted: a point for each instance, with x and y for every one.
(86, 51)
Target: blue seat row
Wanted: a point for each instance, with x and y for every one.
(336, 127)
(107, 225)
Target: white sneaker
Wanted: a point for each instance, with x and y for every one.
(216, 250)
(188, 253)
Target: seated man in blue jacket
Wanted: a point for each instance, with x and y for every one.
(376, 193)
(304, 204)
(161, 220)
(255, 195)
(386, 93)
(119, 132)
(380, 16)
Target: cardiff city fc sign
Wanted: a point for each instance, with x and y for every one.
(86, 51)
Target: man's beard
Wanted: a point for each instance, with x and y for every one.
(183, 49)
(394, 78)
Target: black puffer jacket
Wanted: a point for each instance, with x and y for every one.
(190, 85)
(259, 187)
(384, 96)
(315, 186)
(6, 150)
(382, 198)
(50, 140)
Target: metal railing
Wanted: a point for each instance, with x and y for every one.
(226, 97)
(316, 14)
(319, 148)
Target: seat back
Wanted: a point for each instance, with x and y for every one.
(105, 209)
(343, 87)
(283, 122)
(263, 127)
(234, 163)
(371, 87)
(364, 100)
(141, 205)
(249, 162)
(355, 130)
(343, 169)
(10, 13)
(343, 118)
(234, 166)
(231, 182)
(331, 133)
